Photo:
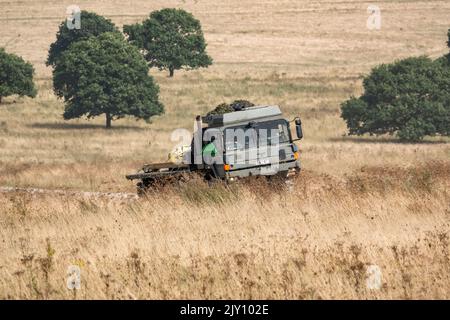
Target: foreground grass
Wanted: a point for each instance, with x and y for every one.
(243, 241)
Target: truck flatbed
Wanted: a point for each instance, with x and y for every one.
(164, 165)
(156, 170)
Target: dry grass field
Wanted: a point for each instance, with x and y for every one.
(359, 201)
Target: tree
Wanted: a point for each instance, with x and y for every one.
(445, 60)
(91, 25)
(448, 34)
(105, 75)
(170, 40)
(409, 98)
(448, 44)
(16, 76)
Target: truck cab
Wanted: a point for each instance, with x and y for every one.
(254, 141)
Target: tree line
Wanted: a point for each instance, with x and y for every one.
(99, 70)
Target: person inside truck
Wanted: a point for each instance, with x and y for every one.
(210, 150)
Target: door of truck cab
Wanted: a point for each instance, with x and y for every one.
(215, 163)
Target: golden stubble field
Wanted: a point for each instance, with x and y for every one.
(360, 202)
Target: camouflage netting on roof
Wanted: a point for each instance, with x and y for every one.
(234, 106)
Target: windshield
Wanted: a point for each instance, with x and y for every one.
(257, 134)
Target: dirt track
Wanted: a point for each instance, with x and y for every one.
(82, 194)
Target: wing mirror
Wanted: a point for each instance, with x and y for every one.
(298, 128)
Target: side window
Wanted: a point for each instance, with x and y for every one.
(284, 135)
(208, 134)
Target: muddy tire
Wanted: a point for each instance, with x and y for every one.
(141, 189)
(278, 177)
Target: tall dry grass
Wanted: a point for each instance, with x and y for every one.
(359, 202)
(252, 241)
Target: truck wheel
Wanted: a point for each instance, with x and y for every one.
(278, 177)
(279, 181)
(142, 188)
(210, 179)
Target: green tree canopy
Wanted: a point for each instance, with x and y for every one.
(171, 39)
(91, 25)
(16, 76)
(448, 42)
(105, 75)
(410, 97)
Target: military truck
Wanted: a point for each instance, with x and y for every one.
(253, 141)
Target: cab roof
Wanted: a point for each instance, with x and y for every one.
(245, 115)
